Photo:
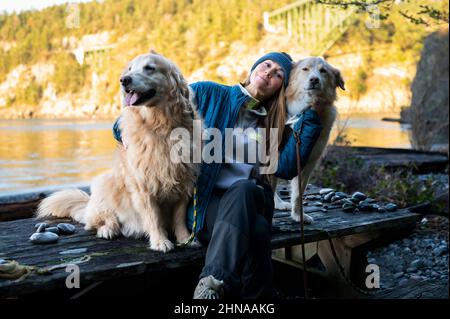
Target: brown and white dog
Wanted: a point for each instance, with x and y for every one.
(313, 81)
(146, 192)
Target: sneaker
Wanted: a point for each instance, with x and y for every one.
(209, 288)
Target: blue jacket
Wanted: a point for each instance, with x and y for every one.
(218, 106)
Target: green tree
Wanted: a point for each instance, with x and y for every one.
(69, 76)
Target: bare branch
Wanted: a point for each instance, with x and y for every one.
(353, 3)
(413, 19)
(437, 15)
(421, 17)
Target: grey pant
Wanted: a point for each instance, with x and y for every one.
(237, 232)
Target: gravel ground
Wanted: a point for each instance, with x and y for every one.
(423, 256)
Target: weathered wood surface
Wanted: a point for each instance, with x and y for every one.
(23, 205)
(125, 257)
(415, 290)
(397, 158)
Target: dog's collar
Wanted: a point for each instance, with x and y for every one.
(292, 119)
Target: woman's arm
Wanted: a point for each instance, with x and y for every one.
(116, 131)
(205, 93)
(308, 127)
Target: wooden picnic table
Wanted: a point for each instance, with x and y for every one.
(119, 258)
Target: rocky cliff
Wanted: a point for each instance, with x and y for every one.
(429, 105)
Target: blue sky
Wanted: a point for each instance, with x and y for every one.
(20, 5)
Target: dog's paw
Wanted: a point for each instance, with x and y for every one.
(106, 232)
(163, 245)
(306, 218)
(295, 217)
(282, 205)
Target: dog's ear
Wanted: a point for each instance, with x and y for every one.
(152, 51)
(297, 63)
(180, 85)
(180, 90)
(339, 79)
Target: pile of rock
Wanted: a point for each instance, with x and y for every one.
(46, 234)
(357, 202)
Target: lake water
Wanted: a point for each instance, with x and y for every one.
(41, 153)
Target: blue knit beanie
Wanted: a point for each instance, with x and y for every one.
(282, 58)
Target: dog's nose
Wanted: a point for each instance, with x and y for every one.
(314, 80)
(125, 80)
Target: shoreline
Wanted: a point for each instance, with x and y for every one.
(90, 117)
(5, 117)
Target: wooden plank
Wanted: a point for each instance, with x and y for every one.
(125, 257)
(344, 255)
(420, 162)
(23, 204)
(24, 209)
(133, 255)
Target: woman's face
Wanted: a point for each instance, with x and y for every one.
(265, 80)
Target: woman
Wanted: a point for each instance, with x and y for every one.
(234, 202)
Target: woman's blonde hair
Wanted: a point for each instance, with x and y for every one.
(276, 114)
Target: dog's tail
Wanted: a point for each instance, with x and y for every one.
(66, 203)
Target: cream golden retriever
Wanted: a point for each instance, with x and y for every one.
(145, 193)
(313, 81)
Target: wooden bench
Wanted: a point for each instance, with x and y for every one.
(421, 162)
(416, 290)
(102, 260)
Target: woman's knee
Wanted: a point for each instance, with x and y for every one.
(248, 188)
(241, 203)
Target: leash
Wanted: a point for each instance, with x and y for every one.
(194, 225)
(342, 271)
(302, 230)
(302, 233)
(330, 241)
(194, 204)
(340, 267)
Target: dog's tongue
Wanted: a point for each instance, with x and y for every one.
(131, 98)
